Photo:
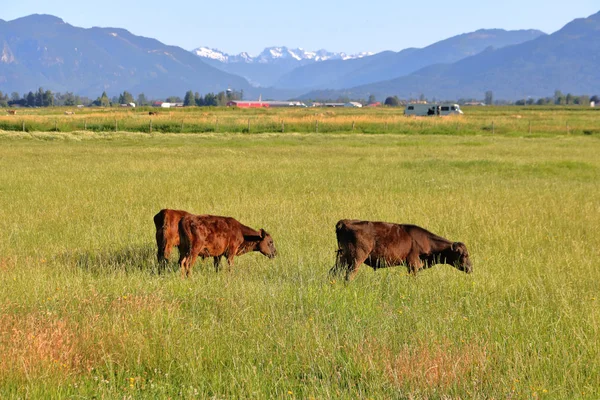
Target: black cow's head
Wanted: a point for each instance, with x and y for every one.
(266, 245)
(460, 257)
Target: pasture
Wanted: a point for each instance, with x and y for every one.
(83, 312)
(508, 121)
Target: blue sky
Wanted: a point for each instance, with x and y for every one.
(350, 26)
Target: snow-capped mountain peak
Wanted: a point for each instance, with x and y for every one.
(276, 54)
(213, 54)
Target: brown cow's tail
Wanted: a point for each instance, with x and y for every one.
(161, 243)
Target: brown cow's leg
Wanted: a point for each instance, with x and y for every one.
(167, 252)
(359, 258)
(182, 261)
(230, 258)
(414, 263)
(189, 264)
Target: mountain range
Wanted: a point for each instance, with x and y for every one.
(44, 51)
(566, 60)
(337, 74)
(271, 64)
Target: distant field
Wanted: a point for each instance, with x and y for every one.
(520, 121)
(83, 312)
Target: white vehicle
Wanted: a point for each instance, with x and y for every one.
(432, 109)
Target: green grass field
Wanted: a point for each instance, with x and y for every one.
(84, 314)
(531, 121)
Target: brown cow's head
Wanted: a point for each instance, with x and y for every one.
(266, 245)
(460, 257)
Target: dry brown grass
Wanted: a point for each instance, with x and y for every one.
(42, 344)
(8, 263)
(427, 365)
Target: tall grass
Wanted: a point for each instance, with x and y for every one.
(519, 121)
(83, 311)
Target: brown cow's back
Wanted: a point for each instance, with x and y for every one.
(377, 244)
(217, 236)
(381, 244)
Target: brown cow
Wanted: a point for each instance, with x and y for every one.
(11, 112)
(382, 244)
(215, 236)
(167, 232)
(152, 112)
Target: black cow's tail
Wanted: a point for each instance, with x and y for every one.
(340, 256)
(160, 225)
(185, 236)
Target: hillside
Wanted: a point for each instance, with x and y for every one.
(338, 74)
(567, 60)
(42, 50)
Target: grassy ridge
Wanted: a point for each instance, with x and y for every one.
(532, 121)
(82, 312)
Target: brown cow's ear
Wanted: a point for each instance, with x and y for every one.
(455, 246)
(263, 233)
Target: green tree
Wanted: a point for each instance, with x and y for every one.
(489, 98)
(569, 98)
(559, 98)
(31, 99)
(583, 100)
(210, 99)
(189, 99)
(199, 100)
(392, 101)
(372, 99)
(126, 98)
(222, 99)
(39, 97)
(102, 101)
(47, 99)
(68, 99)
(141, 100)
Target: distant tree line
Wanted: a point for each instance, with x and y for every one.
(46, 98)
(560, 99)
(211, 99)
